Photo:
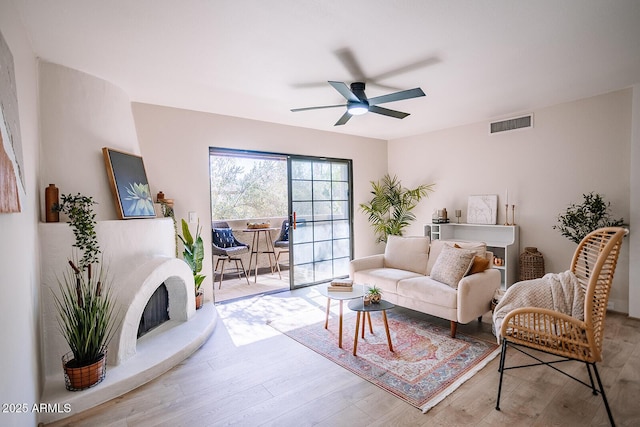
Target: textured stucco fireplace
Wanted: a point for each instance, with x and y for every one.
(141, 257)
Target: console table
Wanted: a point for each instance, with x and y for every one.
(502, 240)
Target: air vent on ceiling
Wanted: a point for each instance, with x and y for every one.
(511, 124)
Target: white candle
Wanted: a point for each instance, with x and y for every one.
(506, 197)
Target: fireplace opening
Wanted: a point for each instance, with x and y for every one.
(156, 312)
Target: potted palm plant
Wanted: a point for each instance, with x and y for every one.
(85, 305)
(193, 255)
(390, 209)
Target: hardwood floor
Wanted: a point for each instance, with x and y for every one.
(248, 374)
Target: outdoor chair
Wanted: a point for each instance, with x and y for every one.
(227, 248)
(564, 336)
(282, 242)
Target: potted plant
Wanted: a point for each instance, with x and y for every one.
(85, 306)
(580, 220)
(390, 209)
(375, 294)
(193, 255)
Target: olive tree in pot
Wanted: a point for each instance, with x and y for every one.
(85, 305)
(193, 255)
(579, 220)
(391, 208)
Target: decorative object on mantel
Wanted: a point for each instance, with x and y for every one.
(193, 255)
(51, 199)
(85, 305)
(592, 214)
(531, 264)
(482, 209)
(129, 185)
(458, 215)
(390, 209)
(166, 209)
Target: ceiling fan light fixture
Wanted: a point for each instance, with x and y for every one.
(357, 108)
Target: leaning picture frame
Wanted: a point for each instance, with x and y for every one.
(129, 184)
(482, 209)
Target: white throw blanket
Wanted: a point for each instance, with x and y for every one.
(555, 291)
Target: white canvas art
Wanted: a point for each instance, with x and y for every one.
(482, 209)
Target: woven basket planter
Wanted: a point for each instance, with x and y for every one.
(83, 377)
(531, 264)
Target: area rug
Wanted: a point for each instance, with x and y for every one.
(426, 366)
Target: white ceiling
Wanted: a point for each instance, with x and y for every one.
(481, 59)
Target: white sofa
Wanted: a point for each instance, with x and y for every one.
(404, 274)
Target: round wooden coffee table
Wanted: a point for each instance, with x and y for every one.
(358, 306)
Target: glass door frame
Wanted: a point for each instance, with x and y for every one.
(293, 216)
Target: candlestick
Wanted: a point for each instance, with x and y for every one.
(506, 214)
(513, 214)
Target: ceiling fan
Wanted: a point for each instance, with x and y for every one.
(358, 103)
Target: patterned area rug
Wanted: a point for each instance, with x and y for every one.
(426, 366)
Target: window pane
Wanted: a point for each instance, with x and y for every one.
(300, 169)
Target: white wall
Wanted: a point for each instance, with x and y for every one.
(634, 237)
(574, 148)
(175, 147)
(19, 254)
(80, 114)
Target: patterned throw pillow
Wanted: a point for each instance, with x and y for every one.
(452, 264)
(285, 232)
(223, 238)
(480, 263)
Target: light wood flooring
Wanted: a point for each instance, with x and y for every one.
(248, 374)
(234, 288)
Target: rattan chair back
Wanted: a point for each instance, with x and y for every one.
(594, 263)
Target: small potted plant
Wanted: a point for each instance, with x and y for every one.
(193, 255)
(85, 305)
(375, 294)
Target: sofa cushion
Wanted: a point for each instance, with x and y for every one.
(429, 290)
(407, 253)
(437, 245)
(452, 265)
(479, 265)
(384, 278)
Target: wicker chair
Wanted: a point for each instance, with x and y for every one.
(558, 334)
(227, 248)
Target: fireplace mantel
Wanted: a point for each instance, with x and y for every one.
(140, 255)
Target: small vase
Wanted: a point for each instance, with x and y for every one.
(50, 203)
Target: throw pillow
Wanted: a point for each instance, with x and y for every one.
(479, 265)
(223, 238)
(451, 266)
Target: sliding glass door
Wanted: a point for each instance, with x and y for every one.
(320, 208)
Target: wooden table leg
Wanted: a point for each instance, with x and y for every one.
(386, 328)
(370, 324)
(340, 327)
(355, 339)
(326, 320)
(364, 323)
